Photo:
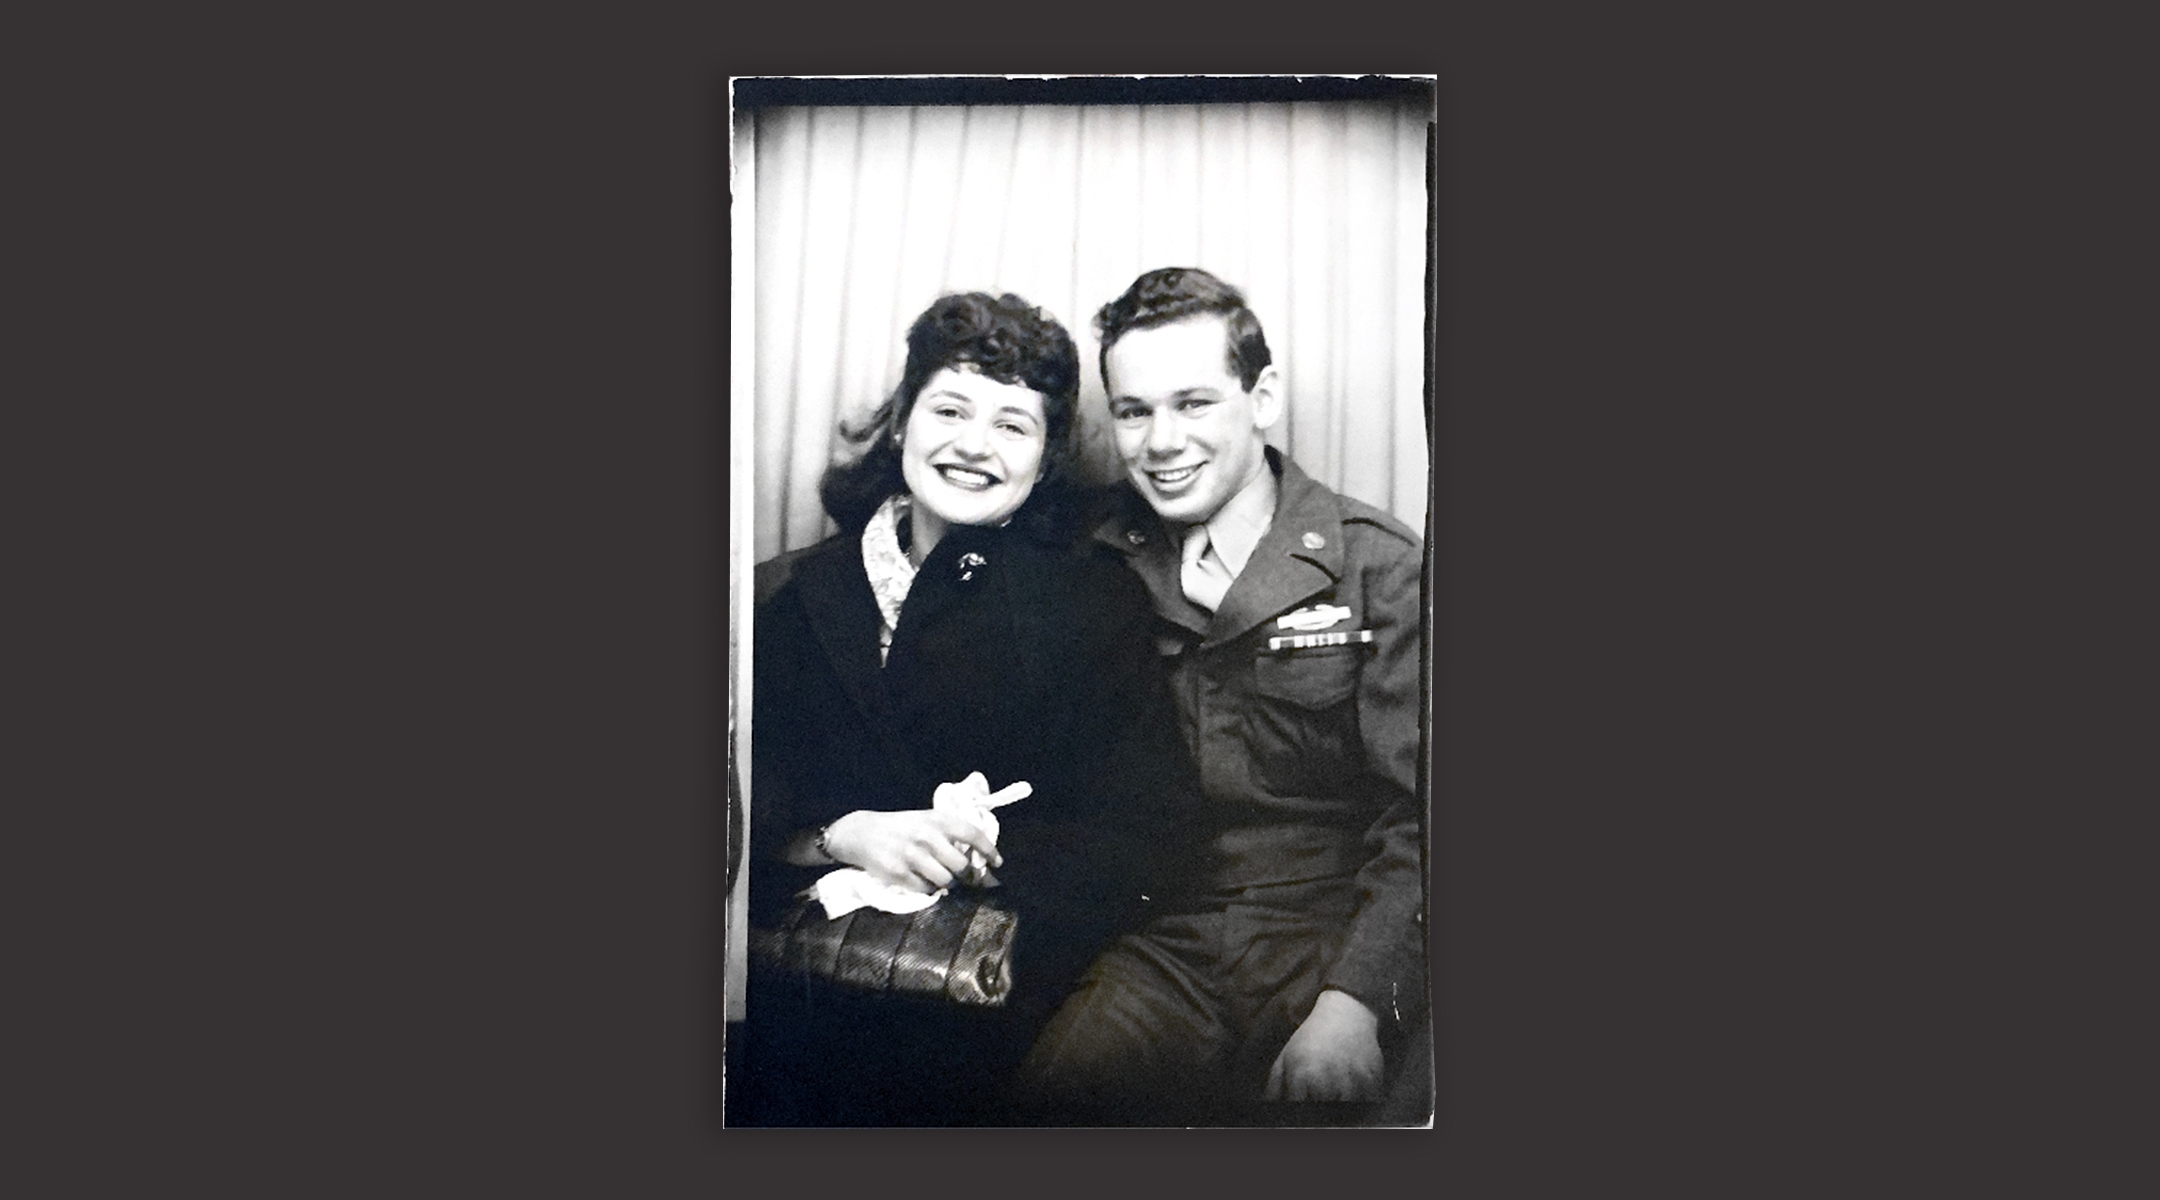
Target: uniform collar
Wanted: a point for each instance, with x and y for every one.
(1237, 527)
(1308, 519)
(1300, 554)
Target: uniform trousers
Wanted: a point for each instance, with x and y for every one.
(1179, 1023)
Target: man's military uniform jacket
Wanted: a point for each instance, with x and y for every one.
(1308, 752)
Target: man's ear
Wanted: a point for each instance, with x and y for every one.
(1267, 397)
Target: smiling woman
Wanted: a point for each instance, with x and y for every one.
(949, 641)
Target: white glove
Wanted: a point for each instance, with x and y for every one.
(973, 799)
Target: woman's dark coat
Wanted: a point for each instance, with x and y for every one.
(1021, 658)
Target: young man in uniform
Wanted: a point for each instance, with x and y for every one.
(1292, 615)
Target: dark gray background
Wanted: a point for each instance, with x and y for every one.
(367, 369)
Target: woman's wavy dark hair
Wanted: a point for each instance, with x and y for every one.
(1003, 337)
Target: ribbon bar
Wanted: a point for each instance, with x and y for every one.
(1313, 641)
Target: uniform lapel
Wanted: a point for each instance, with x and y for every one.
(1299, 556)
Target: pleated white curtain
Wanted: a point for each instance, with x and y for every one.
(865, 215)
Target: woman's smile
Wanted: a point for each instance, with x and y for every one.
(967, 477)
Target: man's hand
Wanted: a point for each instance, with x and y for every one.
(1334, 1055)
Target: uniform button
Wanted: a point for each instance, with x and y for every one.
(1314, 541)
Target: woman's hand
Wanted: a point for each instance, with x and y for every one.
(920, 849)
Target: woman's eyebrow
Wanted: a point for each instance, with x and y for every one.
(1017, 411)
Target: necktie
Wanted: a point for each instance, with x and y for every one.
(1203, 576)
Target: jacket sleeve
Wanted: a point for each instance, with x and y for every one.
(1383, 959)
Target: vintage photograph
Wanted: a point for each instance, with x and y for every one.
(1079, 603)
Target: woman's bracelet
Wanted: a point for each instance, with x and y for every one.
(822, 835)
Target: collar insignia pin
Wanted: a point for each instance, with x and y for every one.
(968, 563)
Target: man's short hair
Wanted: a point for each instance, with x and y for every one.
(1178, 293)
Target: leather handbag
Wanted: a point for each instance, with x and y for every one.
(958, 949)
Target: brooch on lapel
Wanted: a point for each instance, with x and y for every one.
(968, 563)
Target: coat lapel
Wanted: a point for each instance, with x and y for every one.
(843, 613)
(947, 599)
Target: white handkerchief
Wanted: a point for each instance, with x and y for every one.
(849, 888)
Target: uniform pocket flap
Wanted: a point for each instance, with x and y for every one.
(1319, 678)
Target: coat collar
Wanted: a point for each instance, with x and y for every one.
(1300, 555)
